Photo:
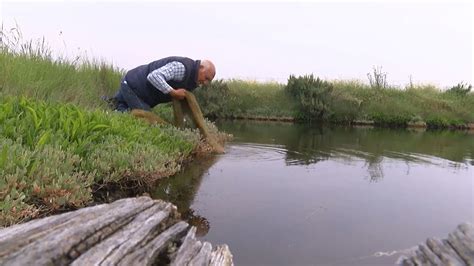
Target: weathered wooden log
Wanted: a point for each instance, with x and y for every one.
(188, 249)
(462, 242)
(457, 249)
(126, 232)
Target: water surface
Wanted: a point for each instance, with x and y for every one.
(288, 194)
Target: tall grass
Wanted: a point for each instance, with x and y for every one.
(238, 98)
(28, 68)
(395, 106)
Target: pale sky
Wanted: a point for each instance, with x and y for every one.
(267, 40)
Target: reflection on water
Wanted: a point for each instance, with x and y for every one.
(181, 189)
(310, 144)
(306, 145)
(292, 194)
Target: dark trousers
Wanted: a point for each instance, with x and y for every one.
(128, 100)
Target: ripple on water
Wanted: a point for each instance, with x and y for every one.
(273, 152)
(256, 152)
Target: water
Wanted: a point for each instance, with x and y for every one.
(296, 195)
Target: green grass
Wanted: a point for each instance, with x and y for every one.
(57, 139)
(28, 68)
(341, 102)
(247, 98)
(238, 98)
(46, 79)
(52, 154)
(395, 106)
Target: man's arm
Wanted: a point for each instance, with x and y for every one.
(171, 71)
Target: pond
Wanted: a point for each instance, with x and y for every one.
(286, 194)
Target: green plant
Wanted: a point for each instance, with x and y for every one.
(313, 95)
(28, 68)
(51, 154)
(213, 97)
(460, 89)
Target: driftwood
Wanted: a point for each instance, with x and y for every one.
(181, 108)
(126, 232)
(457, 249)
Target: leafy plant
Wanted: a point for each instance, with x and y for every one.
(313, 95)
(52, 154)
(213, 97)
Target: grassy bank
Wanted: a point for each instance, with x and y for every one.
(52, 154)
(57, 139)
(309, 99)
(29, 69)
(38, 75)
(59, 142)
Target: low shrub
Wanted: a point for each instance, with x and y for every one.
(213, 98)
(313, 95)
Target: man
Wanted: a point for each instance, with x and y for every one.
(160, 81)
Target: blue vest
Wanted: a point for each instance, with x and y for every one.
(138, 82)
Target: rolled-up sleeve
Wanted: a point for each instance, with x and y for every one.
(173, 71)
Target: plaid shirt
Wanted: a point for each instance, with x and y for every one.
(171, 71)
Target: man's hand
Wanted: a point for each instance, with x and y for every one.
(178, 94)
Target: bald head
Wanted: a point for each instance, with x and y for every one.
(207, 72)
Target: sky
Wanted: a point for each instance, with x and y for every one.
(264, 41)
